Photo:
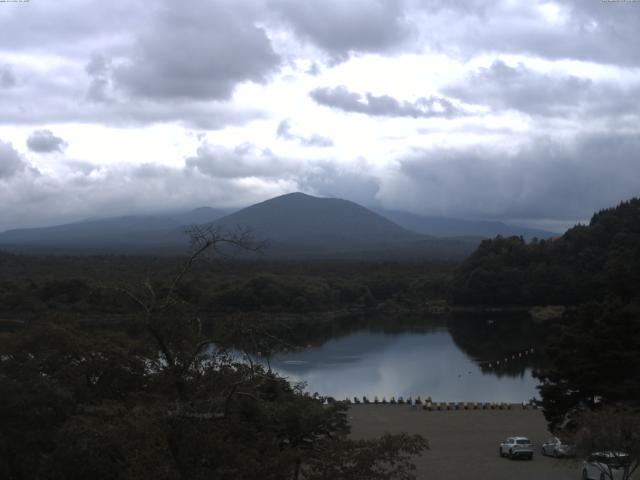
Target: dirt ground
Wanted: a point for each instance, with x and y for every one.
(464, 443)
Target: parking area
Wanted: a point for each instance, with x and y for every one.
(464, 443)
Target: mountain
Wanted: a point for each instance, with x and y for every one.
(197, 216)
(300, 225)
(87, 230)
(297, 217)
(294, 225)
(454, 227)
(113, 233)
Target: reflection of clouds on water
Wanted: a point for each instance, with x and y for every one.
(377, 364)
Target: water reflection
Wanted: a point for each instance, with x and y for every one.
(425, 363)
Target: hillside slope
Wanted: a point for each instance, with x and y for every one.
(301, 218)
(454, 227)
(587, 263)
(294, 226)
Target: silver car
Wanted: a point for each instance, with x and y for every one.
(516, 447)
(557, 448)
(606, 466)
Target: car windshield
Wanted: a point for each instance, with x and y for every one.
(522, 441)
(613, 460)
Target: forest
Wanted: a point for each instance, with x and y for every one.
(589, 262)
(115, 378)
(102, 353)
(591, 377)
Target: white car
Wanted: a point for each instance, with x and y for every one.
(557, 448)
(606, 466)
(516, 447)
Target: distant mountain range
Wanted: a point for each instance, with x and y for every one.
(295, 225)
(454, 227)
(129, 233)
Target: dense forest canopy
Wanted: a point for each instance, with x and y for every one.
(590, 375)
(153, 400)
(588, 262)
(83, 386)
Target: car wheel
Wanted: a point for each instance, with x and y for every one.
(584, 474)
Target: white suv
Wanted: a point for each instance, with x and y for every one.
(606, 466)
(515, 447)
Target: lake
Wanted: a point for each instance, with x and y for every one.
(426, 362)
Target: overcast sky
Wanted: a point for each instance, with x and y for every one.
(525, 111)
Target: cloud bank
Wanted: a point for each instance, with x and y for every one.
(501, 109)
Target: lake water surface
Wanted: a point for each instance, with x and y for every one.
(425, 363)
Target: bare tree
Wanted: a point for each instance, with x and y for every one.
(156, 301)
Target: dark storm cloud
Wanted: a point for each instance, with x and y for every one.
(599, 31)
(69, 27)
(60, 97)
(7, 77)
(200, 52)
(97, 105)
(548, 179)
(342, 99)
(144, 60)
(315, 140)
(10, 161)
(98, 69)
(44, 141)
(134, 62)
(342, 27)
(609, 29)
(503, 87)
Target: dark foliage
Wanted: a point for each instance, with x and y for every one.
(594, 360)
(156, 400)
(587, 263)
(88, 286)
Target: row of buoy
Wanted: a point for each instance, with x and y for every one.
(392, 400)
(428, 404)
(478, 406)
(507, 359)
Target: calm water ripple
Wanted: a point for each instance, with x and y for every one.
(401, 364)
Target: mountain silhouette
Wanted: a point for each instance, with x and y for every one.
(117, 232)
(294, 225)
(454, 227)
(301, 218)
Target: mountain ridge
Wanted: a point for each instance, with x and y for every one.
(295, 225)
(454, 227)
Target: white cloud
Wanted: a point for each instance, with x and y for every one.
(221, 102)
